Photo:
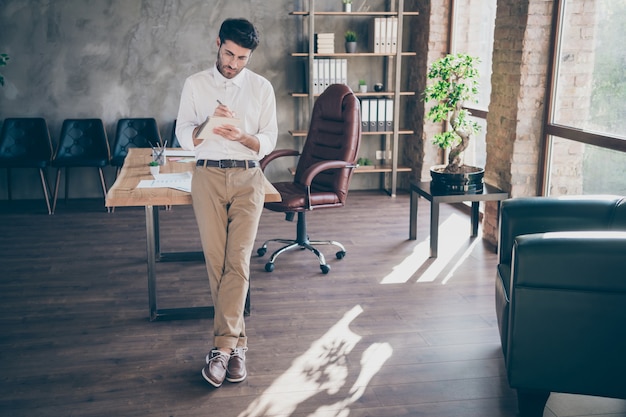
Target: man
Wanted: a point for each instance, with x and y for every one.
(227, 188)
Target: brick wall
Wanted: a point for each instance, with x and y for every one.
(514, 124)
(429, 38)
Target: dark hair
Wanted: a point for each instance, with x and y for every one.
(240, 31)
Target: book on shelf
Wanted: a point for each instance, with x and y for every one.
(325, 43)
(327, 71)
(376, 115)
(384, 35)
(373, 115)
(365, 115)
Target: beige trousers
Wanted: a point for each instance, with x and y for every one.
(227, 203)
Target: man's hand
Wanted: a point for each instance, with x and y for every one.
(235, 134)
(222, 110)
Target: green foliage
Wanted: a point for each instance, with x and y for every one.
(608, 96)
(153, 163)
(454, 82)
(346, 1)
(350, 36)
(3, 62)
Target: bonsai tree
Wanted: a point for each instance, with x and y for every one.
(455, 81)
(3, 61)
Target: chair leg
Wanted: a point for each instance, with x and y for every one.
(44, 186)
(103, 183)
(56, 190)
(9, 183)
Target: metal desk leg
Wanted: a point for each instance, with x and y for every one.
(151, 252)
(153, 248)
(413, 216)
(475, 218)
(434, 228)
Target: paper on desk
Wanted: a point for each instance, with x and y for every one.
(178, 152)
(178, 181)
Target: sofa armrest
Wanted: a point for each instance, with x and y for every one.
(566, 313)
(583, 261)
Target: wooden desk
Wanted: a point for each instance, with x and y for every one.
(124, 193)
(489, 193)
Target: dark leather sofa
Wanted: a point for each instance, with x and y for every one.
(561, 297)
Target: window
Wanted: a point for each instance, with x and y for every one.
(473, 23)
(586, 146)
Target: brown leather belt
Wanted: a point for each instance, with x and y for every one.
(227, 163)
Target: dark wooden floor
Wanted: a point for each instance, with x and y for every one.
(388, 332)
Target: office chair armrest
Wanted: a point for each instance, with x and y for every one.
(311, 172)
(278, 153)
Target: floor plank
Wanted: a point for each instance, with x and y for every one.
(388, 332)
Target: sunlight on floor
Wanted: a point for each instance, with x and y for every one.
(421, 254)
(325, 370)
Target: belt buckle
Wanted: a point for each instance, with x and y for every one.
(228, 163)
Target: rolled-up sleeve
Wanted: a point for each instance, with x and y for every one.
(268, 125)
(187, 118)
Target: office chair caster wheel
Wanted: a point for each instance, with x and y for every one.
(269, 267)
(340, 254)
(325, 269)
(261, 251)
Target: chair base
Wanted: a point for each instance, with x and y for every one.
(302, 242)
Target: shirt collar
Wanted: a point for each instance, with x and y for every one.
(221, 80)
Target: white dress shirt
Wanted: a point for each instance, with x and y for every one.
(249, 95)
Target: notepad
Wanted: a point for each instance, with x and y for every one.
(206, 129)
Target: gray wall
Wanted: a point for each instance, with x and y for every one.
(129, 58)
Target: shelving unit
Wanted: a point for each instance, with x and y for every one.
(391, 65)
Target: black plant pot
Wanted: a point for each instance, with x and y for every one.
(469, 182)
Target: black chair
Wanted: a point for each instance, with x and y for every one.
(324, 170)
(82, 143)
(133, 133)
(173, 138)
(25, 143)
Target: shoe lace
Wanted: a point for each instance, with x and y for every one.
(215, 354)
(239, 351)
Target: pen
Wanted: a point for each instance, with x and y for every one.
(220, 103)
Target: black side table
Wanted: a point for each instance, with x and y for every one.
(489, 193)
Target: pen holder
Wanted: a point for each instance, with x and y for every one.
(159, 156)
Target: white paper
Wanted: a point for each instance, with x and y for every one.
(206, 131)
(178, 152)
(178, 181)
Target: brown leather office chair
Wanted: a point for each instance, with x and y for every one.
(324, 170)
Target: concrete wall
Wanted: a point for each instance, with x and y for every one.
(111, 59)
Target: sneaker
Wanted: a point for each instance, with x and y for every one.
(215, 370)
(236, 371)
